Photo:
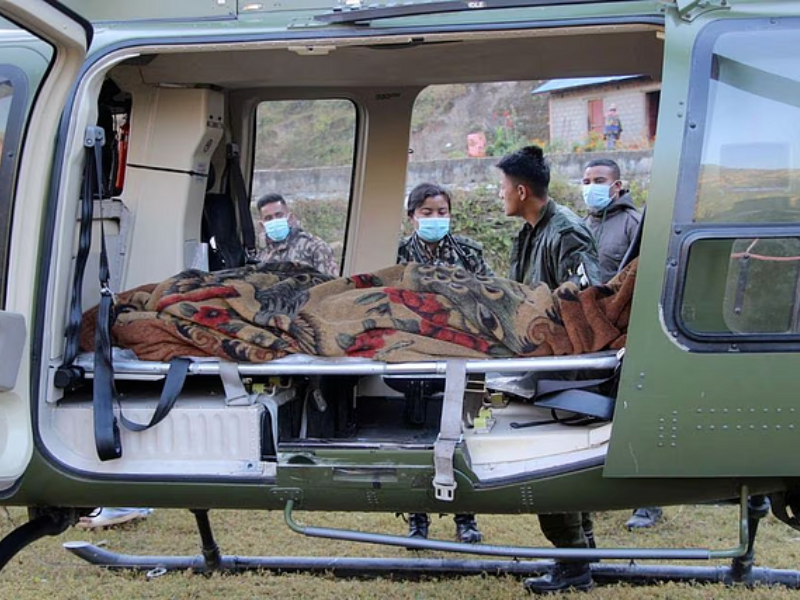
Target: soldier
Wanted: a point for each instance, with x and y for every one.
(431, 243)
(554, 247)
(288, 242)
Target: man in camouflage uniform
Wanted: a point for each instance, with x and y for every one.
(288, 242)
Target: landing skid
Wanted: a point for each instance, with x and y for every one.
(741, 570)
(415, 568)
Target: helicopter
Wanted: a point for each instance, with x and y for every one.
(699, 406)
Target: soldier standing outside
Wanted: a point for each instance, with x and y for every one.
(553, 246)
(288, 242)
(432, 243)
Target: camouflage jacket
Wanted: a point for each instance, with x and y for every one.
(453, 250)
(559, 248)
(301, 247)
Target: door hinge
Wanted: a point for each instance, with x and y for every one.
(689, 10)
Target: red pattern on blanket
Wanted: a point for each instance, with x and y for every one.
(401, 313)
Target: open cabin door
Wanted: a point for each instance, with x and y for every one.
(42, 48)
(712, 375)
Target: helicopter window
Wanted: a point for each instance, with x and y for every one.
(742, 286)
(737, 246)
(294, 140)
(750, 161)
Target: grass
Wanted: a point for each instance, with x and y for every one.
(45, 570)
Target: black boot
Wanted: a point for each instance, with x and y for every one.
(467, 529)
(643, 518)
(418, 524)
(564, 576)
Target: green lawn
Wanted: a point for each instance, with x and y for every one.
(46, 570)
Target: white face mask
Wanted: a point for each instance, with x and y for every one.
(597, 195)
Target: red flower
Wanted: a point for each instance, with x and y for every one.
(424, 304)
(368, 343)
(211, 316)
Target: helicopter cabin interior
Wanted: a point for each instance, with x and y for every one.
(181, 104)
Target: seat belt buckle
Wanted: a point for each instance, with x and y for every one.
(445, 492)
(105, 290)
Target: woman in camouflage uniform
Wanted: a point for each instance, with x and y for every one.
(432, 243)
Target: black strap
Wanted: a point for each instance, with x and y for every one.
(68, 376)
(176, 377)
(548, 387)
(238, 192)
(106, 431)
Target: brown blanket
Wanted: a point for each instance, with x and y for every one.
(401, 313)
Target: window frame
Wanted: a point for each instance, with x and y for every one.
(357, 125)
(685, 231)
(9, 161)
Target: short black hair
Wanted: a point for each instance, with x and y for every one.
(424, 191)
(528, 166)
(269, 199)
(604, 162)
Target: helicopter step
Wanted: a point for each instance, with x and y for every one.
(741, 570)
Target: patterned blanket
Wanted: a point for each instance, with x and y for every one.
(406, 312)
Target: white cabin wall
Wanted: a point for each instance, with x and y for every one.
(173, 135)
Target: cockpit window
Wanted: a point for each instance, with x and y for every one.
(750, 165)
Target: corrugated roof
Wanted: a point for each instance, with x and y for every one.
(556, 85)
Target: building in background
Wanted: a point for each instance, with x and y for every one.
(577, 108)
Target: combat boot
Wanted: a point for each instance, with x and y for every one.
(643, 518)
(564, 576)
(418, 524)
(467, 529)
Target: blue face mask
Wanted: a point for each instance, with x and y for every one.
(277, 229)
(597, 196)
(433, 229)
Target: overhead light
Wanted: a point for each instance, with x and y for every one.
(252, 6)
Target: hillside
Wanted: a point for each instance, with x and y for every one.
(443, 117)
(506, 113)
